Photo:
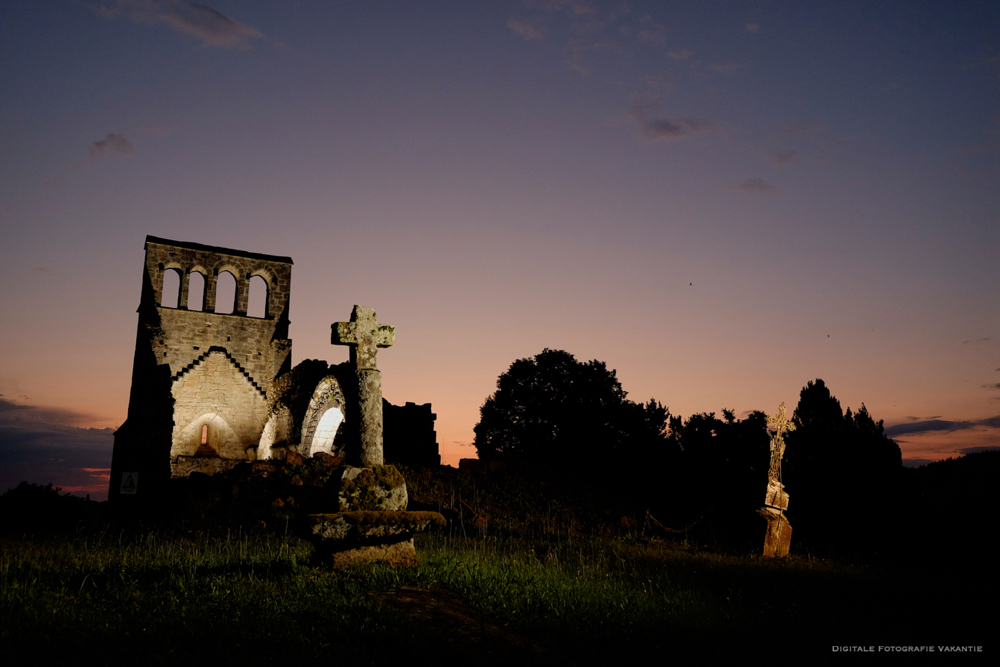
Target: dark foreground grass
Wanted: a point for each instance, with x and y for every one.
(257, 599)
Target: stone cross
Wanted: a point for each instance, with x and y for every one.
(778, 441)
(365, 335)
(779, 532)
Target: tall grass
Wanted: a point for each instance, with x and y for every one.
(236, 598)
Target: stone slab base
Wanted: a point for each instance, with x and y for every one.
(400, 553)
(350, 537)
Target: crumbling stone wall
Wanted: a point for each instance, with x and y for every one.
(408, 435)
(216, 369)
(228, 376)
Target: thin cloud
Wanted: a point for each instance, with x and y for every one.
(157, 129)
(654, 129)
(571, 7)
(756, 186)
(526, 30)
(15, 414)
(992, 386)
(210, 26)
(751, 28)
(651, 32)
(680, 54)
(659, 82)
(800, 129)
(976, 450)
(726, 68)
(930, 425)
(942, 425)
(40, 445)
(781, 158)
(116, 143)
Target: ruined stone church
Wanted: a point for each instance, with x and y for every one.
(213, 383)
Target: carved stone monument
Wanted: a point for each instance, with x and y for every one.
(779, 531)
(365, 335)
(372, 522)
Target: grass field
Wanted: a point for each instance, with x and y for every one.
(237, 598)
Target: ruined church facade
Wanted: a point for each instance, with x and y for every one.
(212, 381)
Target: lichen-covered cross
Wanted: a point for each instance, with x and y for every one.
(365, 335)
(783, 426)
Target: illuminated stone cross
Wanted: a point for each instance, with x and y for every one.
(365, 335)
(779, 532)
(778, 441)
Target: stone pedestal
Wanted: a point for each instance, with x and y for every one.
(778, 539)
(371, 523)
(347, 537)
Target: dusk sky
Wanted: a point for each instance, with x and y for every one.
(720, 200)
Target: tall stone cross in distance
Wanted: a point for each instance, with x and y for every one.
(783, 426)
(779, 532)
(365, 335)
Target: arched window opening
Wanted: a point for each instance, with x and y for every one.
(204, 449)
(257, 304)
(225, 293)
(326, 431)
(196, 291)
(171, 288)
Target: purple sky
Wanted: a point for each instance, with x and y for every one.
(722, 201)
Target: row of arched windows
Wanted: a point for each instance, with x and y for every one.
(225, 293)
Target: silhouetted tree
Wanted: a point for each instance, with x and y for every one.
(720, 480)
(553, 409)
(34, 508)
(842, 474)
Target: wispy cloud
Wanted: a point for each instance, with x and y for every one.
(654, 126)
(571, 7)
(41, 445)
(751, 28)
(664, 129)
(680, 54)
(781, 157)
(116, 143)
(938, 425)
(210, 26)
(157, 129)
(800, 129)
(526, 30)
(756, 186)
(650, 32)
(726, 69)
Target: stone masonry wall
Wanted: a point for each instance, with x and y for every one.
(190, 335)
(215, 393)
(196, 368)
(210, 261)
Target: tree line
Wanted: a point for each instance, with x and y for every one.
(571, 419)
